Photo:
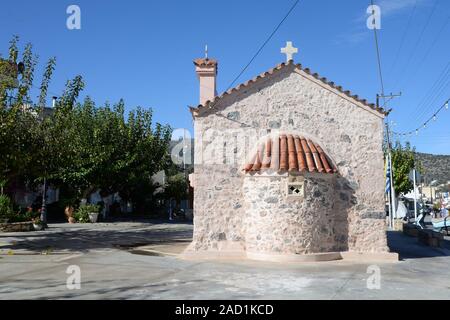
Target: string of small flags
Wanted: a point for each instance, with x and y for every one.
(425, 124)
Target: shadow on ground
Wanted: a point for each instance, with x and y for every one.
(409, 248)
(83, 238)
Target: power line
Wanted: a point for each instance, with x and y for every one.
(391, 192)
(380, 73)
(438, 86)
(415, 116)
(434, 93)
(403, 37)
(440, 91)
(402, 74)
(263, 45)
(258, 52)
(420, 62)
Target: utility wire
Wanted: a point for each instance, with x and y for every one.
(418, 67)
(256, 54)
(420, 63)
(380, 73)
(403, 37)
(402, 74)
(263, 45)
(433, 93)
(429, 100)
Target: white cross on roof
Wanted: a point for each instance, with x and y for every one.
(289, 51)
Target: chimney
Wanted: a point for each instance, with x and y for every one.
(54, 101)
(206, 70)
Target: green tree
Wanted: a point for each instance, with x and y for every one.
(176, 188)
(8, 79)
(17, 121)
(102, 149)
(42, 100)
(16, 142)
(403, 161)
(13, 50)
(79, 147)
(29, 61)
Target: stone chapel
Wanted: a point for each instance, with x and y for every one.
(288, 167)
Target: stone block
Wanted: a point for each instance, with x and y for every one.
(16, 227)
(430, 238)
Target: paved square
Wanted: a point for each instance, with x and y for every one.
(129, 261)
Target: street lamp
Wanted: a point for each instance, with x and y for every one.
(432, 184)
(44, 204)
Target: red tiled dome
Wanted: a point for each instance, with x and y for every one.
(290, 153)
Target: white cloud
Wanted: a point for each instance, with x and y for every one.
(388, 8)
(351, 38)
(391, 7)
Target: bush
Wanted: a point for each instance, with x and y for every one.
(23, 215)
(6, 210)
(27, 214)
(9, 214)
(81, 215)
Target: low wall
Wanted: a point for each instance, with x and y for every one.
(424, 236)
(16, 227)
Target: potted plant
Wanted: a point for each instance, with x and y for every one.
(37, 224)
(93, 211)
(87, 213)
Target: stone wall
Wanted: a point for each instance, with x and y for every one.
(290, 100)
(276, 223)
(218, 206)
(16, 227)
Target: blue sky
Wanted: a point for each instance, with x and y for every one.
(142, 51)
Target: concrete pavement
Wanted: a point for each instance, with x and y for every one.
(33, 266)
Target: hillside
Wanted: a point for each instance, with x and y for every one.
(436, 167)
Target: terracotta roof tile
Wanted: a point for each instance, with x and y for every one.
(293, 162)
(211, 103)
(300, 154)
(205, 62)
(267, 154)
(283, 153)
(289, 153)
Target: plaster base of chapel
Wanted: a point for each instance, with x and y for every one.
(233, 250)
(225, 250)
(361, 257)
(354, 257)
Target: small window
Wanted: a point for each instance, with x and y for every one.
(296, 187)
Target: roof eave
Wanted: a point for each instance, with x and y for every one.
(210, 104)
